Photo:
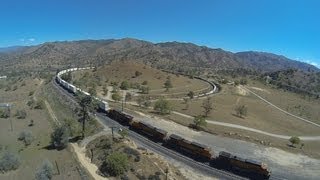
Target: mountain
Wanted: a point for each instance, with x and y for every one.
(12, 49)
(262, 61)
(168, 55)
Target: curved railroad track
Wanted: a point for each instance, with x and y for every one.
(156, 147)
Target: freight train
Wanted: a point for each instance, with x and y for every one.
(197, 151)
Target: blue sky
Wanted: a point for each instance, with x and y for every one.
(290, 28)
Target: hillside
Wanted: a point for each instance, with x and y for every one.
(169, 55)
(297, 81)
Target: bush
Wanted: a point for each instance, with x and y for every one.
(124, 85)
(26, 137)
(4, 113)
(39, 104)
(144, 82)
(45, 171)
(60, 137)
(162, 106)
(31, 93)
(144, 89)
(116, 164)
(294, 140)
(116, 96)
(9, 161)
(21, 114)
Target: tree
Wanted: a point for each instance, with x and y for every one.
(207, 106)
(168, 84)
(199, 121)
(128, 97)
(116, 96)
(93, 91)
(137, 73)
(26, 137)
(162, 106)
(190, 94)
(144, 82)
(105, 90)
(85, 104)
(60, 137)
(45, 171)
(21, 114)
(140, 100)
(144, 89)
(123, 133)
(294, 140)
(115, 164)
(147, 102)
(241, 110)
(4, 113)
(124, 85)
(243, 81)
(186, 101)
(9, 161)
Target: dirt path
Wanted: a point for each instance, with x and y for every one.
(35, 94)
(276, 107)
(85, 161)
(305, 138)
(51, 113)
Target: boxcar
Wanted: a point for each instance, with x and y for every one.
(193, 149)
(248, 166)
(150, 131)
(120, 117)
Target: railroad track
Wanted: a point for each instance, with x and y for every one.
(159, 149)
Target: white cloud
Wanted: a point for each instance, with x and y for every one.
(27, 41)
(313, 63)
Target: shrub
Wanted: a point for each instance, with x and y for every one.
(39, 104)
(31, 93)
(60, 137)
(116, 96)
(115, 164)
(124, 85)
(144, 89)
(9, 161)
(45, 171)
(144, 82)
(4, 113)
(26, 137)
(162, 106)
(21, 114)
(294, 140)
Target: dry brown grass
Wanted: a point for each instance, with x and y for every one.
(33, 155)
(119, 71)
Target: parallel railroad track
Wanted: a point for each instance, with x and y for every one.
(159, 149)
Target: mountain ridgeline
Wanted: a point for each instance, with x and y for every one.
(169, 55)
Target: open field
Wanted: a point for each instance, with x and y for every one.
(260, 115)
(32, 156)
(299, 105)
(119, 71)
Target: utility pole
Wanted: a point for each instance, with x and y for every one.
(122, 106)
(9, 111)
(166, 171)
(113, 127)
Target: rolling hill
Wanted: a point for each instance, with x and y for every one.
(169, 55)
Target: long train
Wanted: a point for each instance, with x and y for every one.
(199, 152)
